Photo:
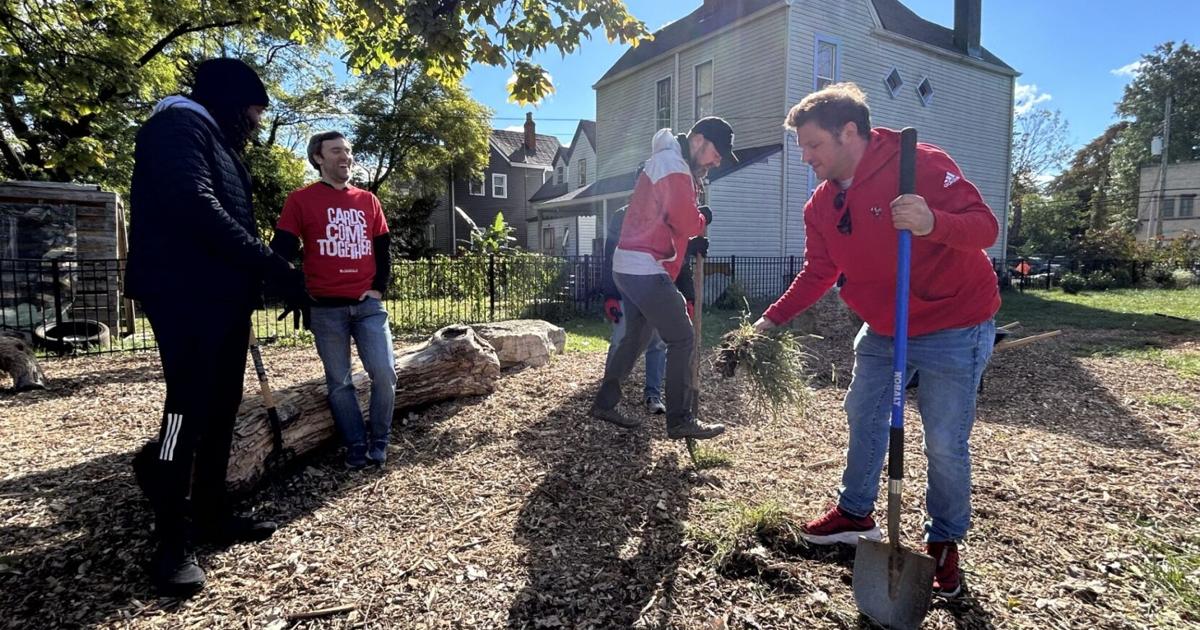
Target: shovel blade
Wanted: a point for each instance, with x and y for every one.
(892, 585)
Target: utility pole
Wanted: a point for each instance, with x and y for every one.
(1154, 225)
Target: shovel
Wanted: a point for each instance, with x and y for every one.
(278, 456)
(698, 283)
(894, 585)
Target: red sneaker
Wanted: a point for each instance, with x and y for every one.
(836, 526)
(947, 579)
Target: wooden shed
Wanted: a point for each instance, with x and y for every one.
(62, 251)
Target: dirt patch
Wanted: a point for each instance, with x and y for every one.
(516, 510)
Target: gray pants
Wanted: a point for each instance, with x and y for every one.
(652, 303)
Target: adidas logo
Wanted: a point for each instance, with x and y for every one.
(950, 179)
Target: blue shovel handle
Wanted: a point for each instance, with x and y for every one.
(908, 168)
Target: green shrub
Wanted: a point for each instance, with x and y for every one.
(1182, 279)
(1072, 283)
(734, 297)
(1122, 277)
(1161, 275)
(1099, 280)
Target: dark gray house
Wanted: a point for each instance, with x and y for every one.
(519, 163)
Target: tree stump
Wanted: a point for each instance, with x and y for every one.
(454, 363)
(17, 359)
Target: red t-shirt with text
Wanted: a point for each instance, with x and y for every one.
(337, 228)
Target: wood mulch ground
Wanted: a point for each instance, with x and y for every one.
(516, 510)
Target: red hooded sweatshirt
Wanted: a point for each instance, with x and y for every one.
(952, 281)
(662, 214)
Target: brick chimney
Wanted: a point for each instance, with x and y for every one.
(967, 17)
(530, 133)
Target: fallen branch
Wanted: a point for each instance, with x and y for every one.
(321, 612)
(1024, 341)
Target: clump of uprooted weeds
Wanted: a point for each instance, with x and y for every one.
(773, 364)
(738, 538)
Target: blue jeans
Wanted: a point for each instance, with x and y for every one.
(656, 357)
(367, 323)
(951, 363)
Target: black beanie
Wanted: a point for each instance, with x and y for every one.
(226, 81)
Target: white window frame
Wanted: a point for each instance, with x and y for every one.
(893, 90)
(500, 185)
(547, 175)
(821, 38)
(712, 86)
(581, 177)
(926, 99)
(560, 174)
(471, 187)
(548, 250)
(658, 120)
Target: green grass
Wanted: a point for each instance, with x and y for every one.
(1171, 571)
(705, 457)
(592, 334)
(1178, 401)
(1120, 309)
(732, 523)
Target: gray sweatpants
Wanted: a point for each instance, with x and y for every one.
(652, 303)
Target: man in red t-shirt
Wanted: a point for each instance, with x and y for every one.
(344, 238)
(851, 224)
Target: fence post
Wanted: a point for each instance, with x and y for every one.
(792, 266)
(491, 287)
(56, 277)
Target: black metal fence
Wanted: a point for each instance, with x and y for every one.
(79, 307)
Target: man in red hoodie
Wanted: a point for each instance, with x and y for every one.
(662, 217)
(851, 225)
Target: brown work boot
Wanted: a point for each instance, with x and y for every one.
(614, 417)
(693, 428)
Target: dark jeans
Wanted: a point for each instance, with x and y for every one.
(203, 350)
(652, 303)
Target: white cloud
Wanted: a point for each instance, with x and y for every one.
(1026, 97)
(515, 128)
(1129, 70)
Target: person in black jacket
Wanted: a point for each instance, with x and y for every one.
(197, 266)
(656, 351)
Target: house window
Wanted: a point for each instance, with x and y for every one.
(547, 176)
(547, 240)
(582, 173)
(704, 90)
(561, 175)
(476, 187)
(893, 82)
(925, 91)
(1167, 207)
(826, 67)
(500, 185)
(662, 107)
(1187, 205)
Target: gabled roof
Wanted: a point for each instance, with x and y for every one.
(899, 19)
(511, 144)
(894, 16)
(588, 128)
(696, 24)
(549, 190)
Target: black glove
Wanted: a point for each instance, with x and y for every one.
(707, 212)
(301, 316)
(287, 282)
(698, 246)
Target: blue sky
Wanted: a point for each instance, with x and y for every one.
(1073, 55)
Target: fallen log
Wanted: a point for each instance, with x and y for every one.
(455, 362)
(17, 359)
